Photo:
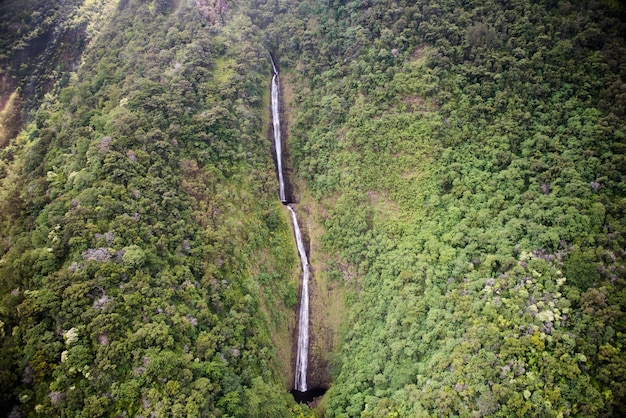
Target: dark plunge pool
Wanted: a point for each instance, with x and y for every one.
(308, 396)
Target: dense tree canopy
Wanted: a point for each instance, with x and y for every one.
(139, 224)
(469, 159)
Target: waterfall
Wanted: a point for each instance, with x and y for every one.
(277, 140)
(302, 356)
(303, 327)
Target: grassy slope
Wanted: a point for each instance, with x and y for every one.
(326, 294)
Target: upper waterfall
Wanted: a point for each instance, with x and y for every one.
(277, 138)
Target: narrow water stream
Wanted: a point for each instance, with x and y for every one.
(277, 137)
(302, 352)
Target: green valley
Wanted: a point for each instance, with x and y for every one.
(458, 168)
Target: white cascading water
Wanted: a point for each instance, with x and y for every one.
(277, 140)
(302, 356)
(303, 328)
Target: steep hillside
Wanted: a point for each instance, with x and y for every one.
(145, 260)
(41, 41)
(470, 161)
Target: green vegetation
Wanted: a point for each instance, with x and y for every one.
(470, 158)
(467, 162)
(141, 230)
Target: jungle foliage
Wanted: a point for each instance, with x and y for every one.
(470, 158)
(145, 259)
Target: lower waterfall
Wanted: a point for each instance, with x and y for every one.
(303, 325)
